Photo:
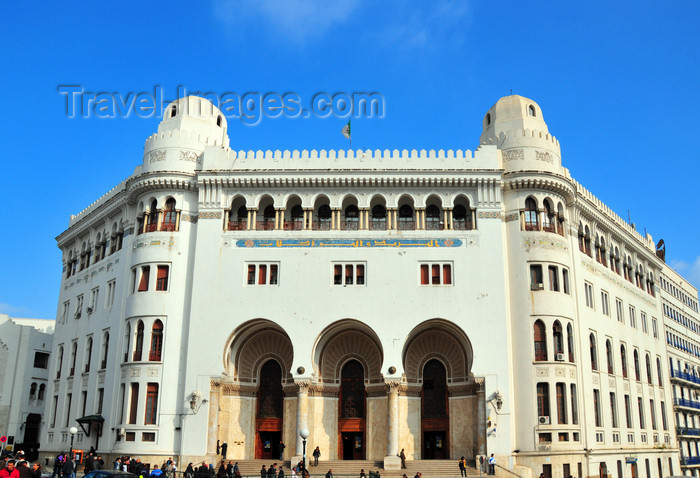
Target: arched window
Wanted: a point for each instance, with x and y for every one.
(549, 217)
(462, 218)
(352, 390)
(531, 215)
(32, 390)
(88, 354)
(587, 241)
(558, 336)
(127, 343)
(105, 351)
(648, 364)
(658, 372)
(434, 390)
(297, 213)
(609, 356)
(42, 391)
(531, 111)
(432, 218)
(152, 223)
(138, 344)
(488, 119)
(268, 218)
(352, 216)
(378, 218)
(218, 121)
(154, 354)
(406, 221)
(570, 340)
(324, 217)
(270, 393)
(636, 365)
(169, 216)
(560, 219)
(594, 353)
(581, 238)
(173, 111)
(540, 341)
(623, 359)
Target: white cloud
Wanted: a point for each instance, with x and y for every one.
(296, 20)
(691, 272)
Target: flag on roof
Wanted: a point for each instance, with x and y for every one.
(346, 130)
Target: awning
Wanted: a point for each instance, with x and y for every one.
(97, 420)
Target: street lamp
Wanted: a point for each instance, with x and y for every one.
(72, 431)
(304, 434)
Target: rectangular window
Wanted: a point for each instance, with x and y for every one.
(640, 405)
(262, 274)
(543, 399)
(69, 399)
(655, 327)
(652, 411)
(553, 278)
(574, 405)
(561, 403)
(83, 399)
(109, 300)
(79, 307)
(536, 280)
(618, 310)
(596, 408)
(628, 411)
(633, 317)
(346, 274)
(66, 311)
(122, 400)
(613, 409)
(41, 360)
(643, 318)
(133, 409)
(54, 410)
(664, 423)
(436, 274)
(162, 278)
(589, 294)
(151, 404)
(605, 303)
(100, 400)
(145, 276)
(148, 436)
(130, 436)
(565, 280)
(94, 295)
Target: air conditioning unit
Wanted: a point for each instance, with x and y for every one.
(77, 314)
(559, 357)
(543, 420)
(536, 286)
(121, 431)
(89, 310)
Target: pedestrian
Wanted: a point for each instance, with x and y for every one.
(462, 467)
(9, 471)
(402, 455)
(492, 465)
(362, 473)
(23, 469)
(229, 469)
(329, 474)
(189, 471)
(280, 474)
(99, 463)
(418, 475)
(316, 454)
(263, 472)
(272, 471)
(221, 472)
(236, 470)
(282, 446)
(36, 470)
(224, 449)
(156, 472)
(68, 469)
(294, 472)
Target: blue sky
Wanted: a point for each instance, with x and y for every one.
(617, 83)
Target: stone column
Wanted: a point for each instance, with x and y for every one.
(248, 220)
(227, 215)
(302, 420)
(451, 217)
(255, 219)
(392, 461)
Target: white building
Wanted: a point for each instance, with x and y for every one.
(679, 303)
(448, 303)
(25, 347)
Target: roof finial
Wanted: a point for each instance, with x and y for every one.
(511, 91)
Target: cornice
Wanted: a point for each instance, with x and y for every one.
(540, 180)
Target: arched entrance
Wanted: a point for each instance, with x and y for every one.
(435, 424)
(351, 415)
(268, 420)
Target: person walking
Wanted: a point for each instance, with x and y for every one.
(316, 455)
(68, 469)
(263, 472)
(282, 446)
(36, 470)
(330, 473)
(224, 449)
(492, 465)
(402, 455)
(9, 471)
(462, 467)
(280, 474)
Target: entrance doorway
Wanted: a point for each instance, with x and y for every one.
(434, 445)
(353, 446)
(269, 445)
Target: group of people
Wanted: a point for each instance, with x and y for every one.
(135, 466)
(19, 467)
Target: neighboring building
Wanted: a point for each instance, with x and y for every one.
(679, 303)
(25, 348)
(447, 303)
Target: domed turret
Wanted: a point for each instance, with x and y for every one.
(189, 125)
(516, 125)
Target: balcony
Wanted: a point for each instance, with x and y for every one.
(690, 460)
(686, 431)
(684, 402)
(677, 374)
(266, 225)
(296, 224)
(237, 225)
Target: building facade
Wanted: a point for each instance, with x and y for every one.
(446, 303)
(25, 348)
(679, 304)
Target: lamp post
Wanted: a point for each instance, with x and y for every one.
(72, 431)
(304, 434)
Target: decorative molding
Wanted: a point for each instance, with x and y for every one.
(513, 154)
(156, 155)
(490, 215)
(233, 388)
(210, 215)
(351, 243)
(154, 243)
(463, 389)
(190, 156)
(189, 218)
(545, 156)
(512, 217)
(322, 390)
(544, 243)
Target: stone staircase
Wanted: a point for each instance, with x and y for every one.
(351, 468)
